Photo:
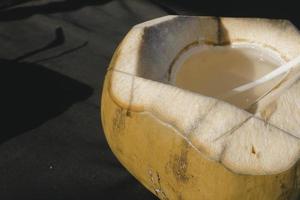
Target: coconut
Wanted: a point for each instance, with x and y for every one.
(189, 141)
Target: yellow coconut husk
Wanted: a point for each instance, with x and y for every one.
(183, 145)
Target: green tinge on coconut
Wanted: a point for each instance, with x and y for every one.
(182, 144)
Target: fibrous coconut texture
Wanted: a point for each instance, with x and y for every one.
(183, 145)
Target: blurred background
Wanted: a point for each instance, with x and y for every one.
(53, 58)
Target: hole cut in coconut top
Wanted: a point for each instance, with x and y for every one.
(215, 70)
(143, 77)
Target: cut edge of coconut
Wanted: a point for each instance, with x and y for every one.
(201, 119)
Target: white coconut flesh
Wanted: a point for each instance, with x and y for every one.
(146, 78)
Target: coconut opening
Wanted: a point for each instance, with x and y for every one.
(215, 70)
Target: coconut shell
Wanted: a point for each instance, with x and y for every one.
(183, 145)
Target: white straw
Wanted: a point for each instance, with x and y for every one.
(278, 71)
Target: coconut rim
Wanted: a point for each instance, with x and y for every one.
(133, 40)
